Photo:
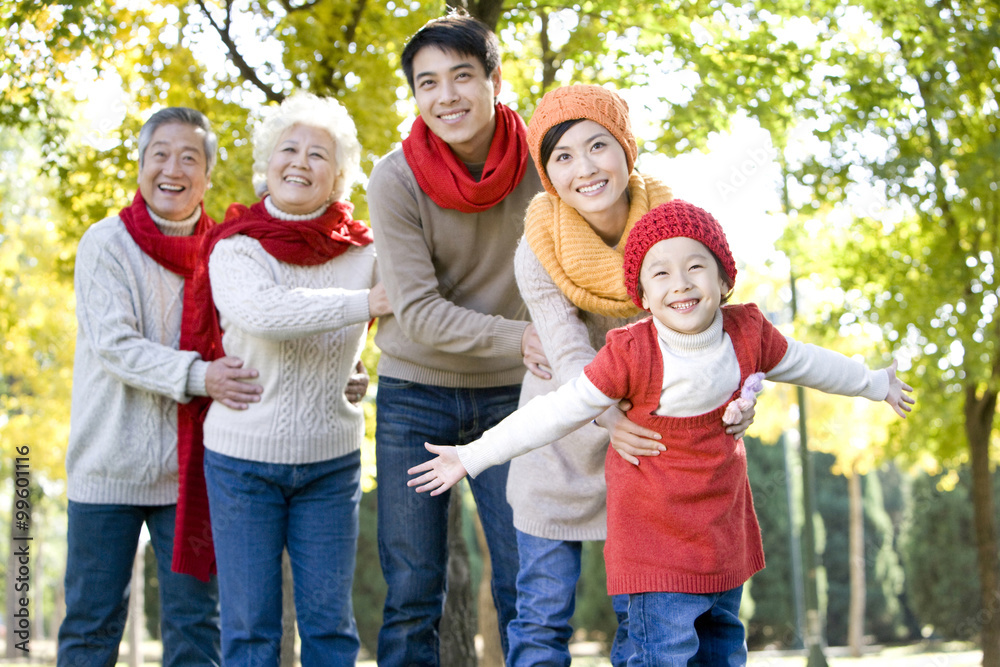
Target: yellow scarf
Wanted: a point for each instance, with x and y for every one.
(583, 267)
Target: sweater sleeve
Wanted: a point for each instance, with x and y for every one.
(109, 287)
(564, 335)
(829, 371)
(542, 420)
(247, 293)
(407, 268)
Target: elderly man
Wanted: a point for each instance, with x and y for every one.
(129, 376)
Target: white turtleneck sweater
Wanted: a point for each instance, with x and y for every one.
(128, 374)
(303, 328)
(700, 373)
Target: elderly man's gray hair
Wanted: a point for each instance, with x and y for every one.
(184, 116)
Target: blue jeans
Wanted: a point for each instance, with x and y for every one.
(413, 528)
(677, 629)
(258, 510)
(546, 598)
(101, 546)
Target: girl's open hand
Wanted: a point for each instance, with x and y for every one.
(899, 392)
(440, 473)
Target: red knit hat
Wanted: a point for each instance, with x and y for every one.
(667, 221)
(583, 102)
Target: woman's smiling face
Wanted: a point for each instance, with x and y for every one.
(302, 170)
(589, 171)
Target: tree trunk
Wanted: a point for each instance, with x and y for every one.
(458, 625)
(979, 412)
(492, 646)
(38, 585)
(136, 615)
(856, 612)
(59, 607)
(487, 11)
(287, 612)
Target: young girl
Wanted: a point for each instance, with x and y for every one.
(683, 537)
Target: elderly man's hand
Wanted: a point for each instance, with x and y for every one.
(228, 382)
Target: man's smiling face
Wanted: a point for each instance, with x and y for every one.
(456, 96)
(173, 176)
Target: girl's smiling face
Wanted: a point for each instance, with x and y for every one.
(682, 284)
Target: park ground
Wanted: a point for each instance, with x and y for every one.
(587, 654)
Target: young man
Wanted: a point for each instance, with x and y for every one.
(447, 210)
(129, 376)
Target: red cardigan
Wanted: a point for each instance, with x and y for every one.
(683, 521)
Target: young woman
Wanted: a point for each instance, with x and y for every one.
(569, 271)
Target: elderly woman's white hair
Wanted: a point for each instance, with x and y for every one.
(324, 113)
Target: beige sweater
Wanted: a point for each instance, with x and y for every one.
(458, 317)
(558, 492)
(303, 328)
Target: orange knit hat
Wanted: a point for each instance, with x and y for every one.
(580, 101)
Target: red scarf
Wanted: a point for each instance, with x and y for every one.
(299, 242)
(177, 254)
(446, 179)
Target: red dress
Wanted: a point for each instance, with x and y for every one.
(683, 521)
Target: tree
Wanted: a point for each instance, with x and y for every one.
(37, 329)
(919, 77)
(938, 549)
(911, 108)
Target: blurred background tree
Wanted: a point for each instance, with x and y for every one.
(882, 118)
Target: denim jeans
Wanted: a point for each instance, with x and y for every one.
(412, 527)
(258, 510)
(676, 629)
(101, 546)
(546, 597)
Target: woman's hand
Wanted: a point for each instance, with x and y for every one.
(378, 302)
(440, 473)
(534, 355)
(628, 438)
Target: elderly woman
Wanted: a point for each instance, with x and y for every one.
(569, 271)
(292, 278)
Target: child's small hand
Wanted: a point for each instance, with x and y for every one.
(440, 473)
(898, 396)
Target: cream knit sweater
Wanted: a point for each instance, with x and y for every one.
(558, 492)
(303, 328)
(128, 374)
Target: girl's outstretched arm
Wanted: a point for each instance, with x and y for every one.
(440, 473)
(899, 392)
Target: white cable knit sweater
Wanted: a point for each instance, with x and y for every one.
(303, 328)
(128, 374)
